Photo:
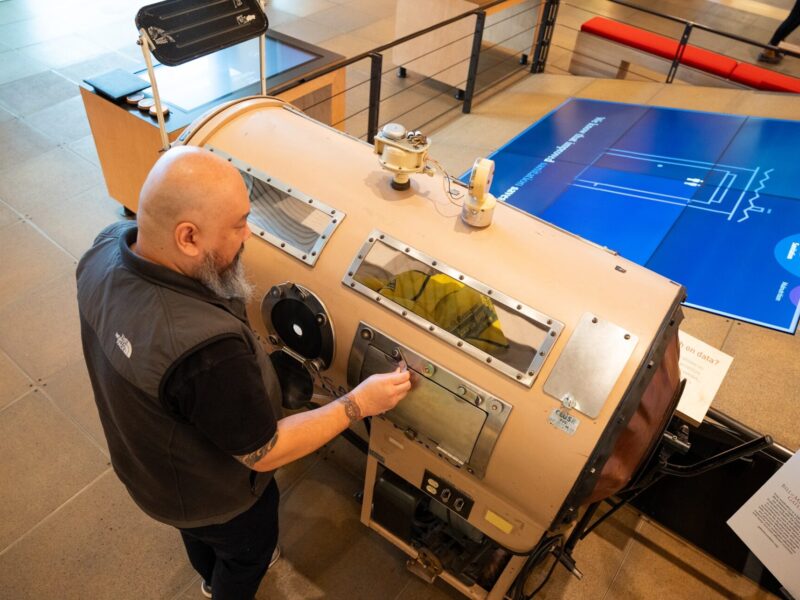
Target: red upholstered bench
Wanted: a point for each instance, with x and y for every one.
(698, 58)
(660, 45)
(764, 79)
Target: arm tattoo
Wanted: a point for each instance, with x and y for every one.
(251, 459)
(351, 409)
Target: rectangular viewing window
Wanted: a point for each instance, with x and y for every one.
(481, 321)
(287, 218)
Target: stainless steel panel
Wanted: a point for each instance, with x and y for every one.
(590, 365)
(450, 423)
(455, 419)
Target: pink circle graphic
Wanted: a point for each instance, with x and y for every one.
(794, 295)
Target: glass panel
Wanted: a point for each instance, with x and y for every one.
(296, 222)
(453, 306)
(214, 76)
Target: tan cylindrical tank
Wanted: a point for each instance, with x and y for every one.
(568, 428)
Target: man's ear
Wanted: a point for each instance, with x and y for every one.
(187, 239)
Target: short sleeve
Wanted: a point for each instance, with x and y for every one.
(219, 389)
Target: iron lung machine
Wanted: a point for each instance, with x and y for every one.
(544, 367)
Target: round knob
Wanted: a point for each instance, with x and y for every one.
(394, 131)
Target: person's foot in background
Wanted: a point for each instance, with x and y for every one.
(772, 57)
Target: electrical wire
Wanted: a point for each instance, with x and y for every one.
(554, 545)
(447, 184)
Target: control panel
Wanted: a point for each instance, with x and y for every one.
(446, 493)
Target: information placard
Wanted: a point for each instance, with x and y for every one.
(704, 367)
(769, 524)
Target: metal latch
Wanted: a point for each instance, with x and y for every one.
(426, 565)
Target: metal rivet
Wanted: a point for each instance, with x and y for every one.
(594, 319)
(431, 328)
(461, 278)
(488, 359)
(371, 240)
(519, 306)
(405, 313)
(549, 321)
(459, 344)
(627, 336)
(352, 285)
(434, 263)
(382, 236)
(349, 273)
(552, 334)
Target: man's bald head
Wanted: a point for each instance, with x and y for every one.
(193, 211)
(187, 183)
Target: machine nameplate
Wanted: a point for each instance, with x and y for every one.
(498, 330)
(590, 364)
(287, 218)
(564, 421)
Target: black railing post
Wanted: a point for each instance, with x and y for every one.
(545, 35)
(375, 70)
(474, 57)
(687, 31)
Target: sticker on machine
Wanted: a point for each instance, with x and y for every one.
(563, 421)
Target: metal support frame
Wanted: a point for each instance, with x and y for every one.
(375, 71)
(147, 45)
(474, 57)
(673, 69)
(660, 470)
(262, 54)
(547, 24)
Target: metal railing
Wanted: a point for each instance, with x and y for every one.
(376, 72)
(688, 27)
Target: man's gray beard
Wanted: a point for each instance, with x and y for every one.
(228, 283)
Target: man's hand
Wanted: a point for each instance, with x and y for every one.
(381, 392)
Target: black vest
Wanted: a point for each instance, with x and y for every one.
(138, 320)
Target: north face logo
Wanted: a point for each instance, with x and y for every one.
(124, 344)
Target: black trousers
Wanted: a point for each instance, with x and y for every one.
(791, 23)
(233, 557)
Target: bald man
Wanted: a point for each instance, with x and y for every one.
(188, 399)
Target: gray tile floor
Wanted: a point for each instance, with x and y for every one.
(67, 527)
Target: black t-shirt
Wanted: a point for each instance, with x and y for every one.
(219, 390)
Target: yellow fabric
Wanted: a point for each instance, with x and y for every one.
(447, 303)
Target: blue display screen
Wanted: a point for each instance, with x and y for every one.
(708, 200)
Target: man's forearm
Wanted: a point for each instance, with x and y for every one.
(303, 433)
